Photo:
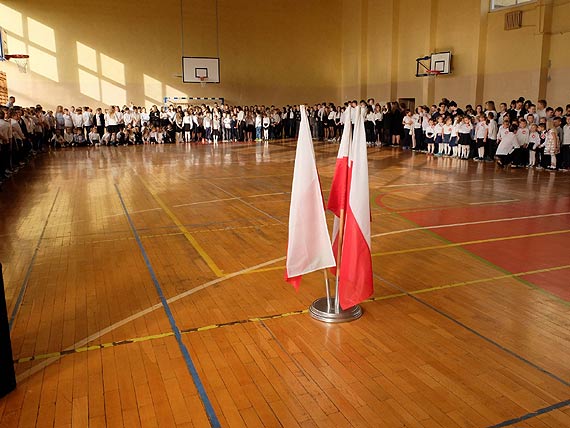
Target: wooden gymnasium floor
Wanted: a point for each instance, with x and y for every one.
(468, 327)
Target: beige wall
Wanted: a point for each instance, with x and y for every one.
(488, 62)
(113, 52)
(286, 51)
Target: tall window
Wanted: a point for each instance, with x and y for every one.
(499, 4)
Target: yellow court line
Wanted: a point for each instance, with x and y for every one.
(439, 247)
(272, 317)
(211, 264)
(479, 241)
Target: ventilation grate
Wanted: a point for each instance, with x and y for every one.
(513, 20)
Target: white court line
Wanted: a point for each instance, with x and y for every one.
(442, 226)
(134, 212)
(140, 314)
(228, 199)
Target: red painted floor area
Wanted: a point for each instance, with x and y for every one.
(514, 255)
(557, 282)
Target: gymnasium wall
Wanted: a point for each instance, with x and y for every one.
(488, 62)
(114, 52)
(285, 51)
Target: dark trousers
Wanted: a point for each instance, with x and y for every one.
(241, 131)
(565, 156)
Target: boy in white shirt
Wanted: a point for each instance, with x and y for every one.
(521, 158)
(493, 129)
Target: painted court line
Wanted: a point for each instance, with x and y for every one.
(83, 342)
(443, 226)
(246, 203)
(444, 246)
(228, 199)
(214, 422)
(271, 317)
(24, 286)
(211, 264)
(531, 415)
(475, 332)
(494, 202)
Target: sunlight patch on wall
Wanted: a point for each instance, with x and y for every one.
(11, 20)
(112, 94)
(16, 46)
(41, 34)
(89, 85)
(153, 88)
(112, 69)
(86, 57)
(43, 63)
(148, 103)
(173, 92)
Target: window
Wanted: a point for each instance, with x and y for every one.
(500, 4)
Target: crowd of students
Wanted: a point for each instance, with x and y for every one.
(520, 135)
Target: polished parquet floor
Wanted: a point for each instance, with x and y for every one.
(146, 289)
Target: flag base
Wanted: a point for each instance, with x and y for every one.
(319, 310)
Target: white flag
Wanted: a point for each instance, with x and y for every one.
(309, 246)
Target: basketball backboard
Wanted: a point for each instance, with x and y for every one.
(3, 44)
(434, 64)
(200, 69)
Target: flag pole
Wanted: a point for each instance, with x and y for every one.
(339, 257)
(327, 285)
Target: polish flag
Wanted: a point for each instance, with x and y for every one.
(309, 246)
(356, 281)
(339, 189)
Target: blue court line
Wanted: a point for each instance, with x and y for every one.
(24, 286)
(214, 422)
(476, 333)
(492, 342)
(531, 415)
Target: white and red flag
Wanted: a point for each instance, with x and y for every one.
(339, 188)
(309, 246)
(355, 277)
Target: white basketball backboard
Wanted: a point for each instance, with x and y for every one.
(194, 69)
(3, 44)
(441, 62)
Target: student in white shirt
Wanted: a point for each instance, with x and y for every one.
(94, 138)
(87, 120)
(216, 127)
(111, 120)
(481, 135)
(521, 155)
(447, 130)
(464, 131)
(188, 124)
(430, 136)
(533, 144)
(77, 118)
(493, 128)
(265, 123)
(507, 145)
(259, 125)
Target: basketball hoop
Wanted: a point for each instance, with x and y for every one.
(21, 61)
(433, 73)
(203, 81)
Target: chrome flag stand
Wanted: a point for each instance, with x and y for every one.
(327, 309)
